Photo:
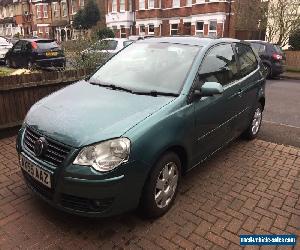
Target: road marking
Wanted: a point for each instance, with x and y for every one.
(281, 124)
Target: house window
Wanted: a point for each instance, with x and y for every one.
(81, 3)
(123, 32)
(141, 4)
(55, 10)
(200, 29)
(142, 29)
(174, 29)
(176, 3)
(38, 11)
(47, 31)
(151, 29)
(151, 4)
(200, 1)
(11, 11)
(189, 2)
(114, 6)
(45, 10)
(122, 5)
(212, 32)
(40, 30)
(64, 9)
(73, 7)
(130, 5)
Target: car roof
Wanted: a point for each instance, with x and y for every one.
(36, 39)
(189, 40)
(257, 41)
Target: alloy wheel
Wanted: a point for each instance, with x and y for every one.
(256, 122)
(166, 185)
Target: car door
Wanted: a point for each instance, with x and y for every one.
(213, 116)
(16, 54)
(25, 53)
(250, 81)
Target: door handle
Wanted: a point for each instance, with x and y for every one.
(240, 92)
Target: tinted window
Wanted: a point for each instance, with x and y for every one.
(146, 66)
(219, 65)
(110, 44)
(18, 46)
(46, 44)
(278, 49)
(260, 48)
(247, 59)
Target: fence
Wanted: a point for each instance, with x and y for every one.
(293, 59)
(19, 93)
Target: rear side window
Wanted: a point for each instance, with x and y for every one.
(247, 59)
(219, 65)
(46, 44)
(278, 49)
(258, 47)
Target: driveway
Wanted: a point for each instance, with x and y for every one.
(249, 187)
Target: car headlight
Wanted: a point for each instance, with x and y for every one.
(105, 156)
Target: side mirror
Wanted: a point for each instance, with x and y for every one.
(209, 89)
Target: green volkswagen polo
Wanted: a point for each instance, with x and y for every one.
(123, 137)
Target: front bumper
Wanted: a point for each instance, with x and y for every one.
(82, 191)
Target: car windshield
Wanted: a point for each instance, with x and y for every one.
(143, 66)
(46, 44)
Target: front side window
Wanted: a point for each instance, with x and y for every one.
(219, 65)
(247, 59)
(174, 29)
(142, 66)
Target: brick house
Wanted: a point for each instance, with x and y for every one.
(214, 18)
(15, 18)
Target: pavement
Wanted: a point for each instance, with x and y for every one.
(281, 117)
(291, 75)
(247, 188)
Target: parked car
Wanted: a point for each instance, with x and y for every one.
(271, 55)
(108, 46)
(123, 137)
(5, 46)
(35, 53)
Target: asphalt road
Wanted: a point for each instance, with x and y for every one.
(281, 120)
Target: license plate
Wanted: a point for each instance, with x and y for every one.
(51, 53)
(35, 171)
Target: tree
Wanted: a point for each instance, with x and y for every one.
(283, 19)
(294, 40)
(105, 33)
(87, 17)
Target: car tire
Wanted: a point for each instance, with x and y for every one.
(31, 65)
(255, 124)
(161, 186)
(8, 63)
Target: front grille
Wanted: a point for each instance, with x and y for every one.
(85, 205)
(55, 153)
(38, 187)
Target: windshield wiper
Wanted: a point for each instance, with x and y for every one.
(155, 93)
(111, 86)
